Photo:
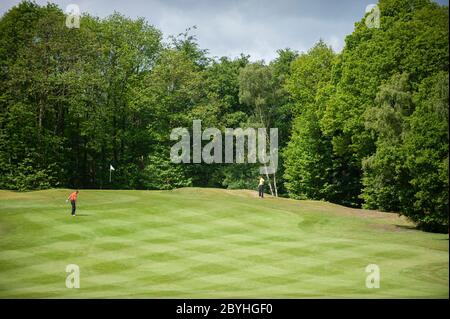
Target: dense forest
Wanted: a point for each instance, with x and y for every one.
(366, 127)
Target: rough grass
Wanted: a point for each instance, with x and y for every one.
(210, 243)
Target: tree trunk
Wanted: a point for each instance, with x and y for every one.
(268, 180)
(265, 166)
(275, 184)
(41, 115)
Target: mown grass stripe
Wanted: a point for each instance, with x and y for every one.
(210, 243)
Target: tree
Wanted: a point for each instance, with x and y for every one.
(308, 164)
(426, 151)
(257, 90)
(412, 39)
(385, 178)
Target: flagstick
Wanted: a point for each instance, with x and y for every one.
(110, 175)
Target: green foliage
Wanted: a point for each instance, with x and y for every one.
(308, 171)
(307, 159)
(385, 179)
(309, 73)
(426, 149)
(408, 173)
(412, 39)
(26, 176)
(160, 173)
(243, 176)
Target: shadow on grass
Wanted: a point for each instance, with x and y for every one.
(406, 227)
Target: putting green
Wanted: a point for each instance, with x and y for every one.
(210, 243)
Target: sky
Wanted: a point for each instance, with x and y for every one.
(231, 27)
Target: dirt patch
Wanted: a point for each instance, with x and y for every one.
(243, 193)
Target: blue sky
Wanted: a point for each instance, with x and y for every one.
(257, 28)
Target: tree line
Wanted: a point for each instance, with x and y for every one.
(366, 127)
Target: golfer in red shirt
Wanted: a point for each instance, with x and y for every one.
(73, 199)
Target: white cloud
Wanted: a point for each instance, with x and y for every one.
(231, 27)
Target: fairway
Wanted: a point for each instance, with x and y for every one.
(210, 243)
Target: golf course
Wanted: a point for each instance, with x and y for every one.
(210, 243)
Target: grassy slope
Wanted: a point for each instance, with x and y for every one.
(210, 243)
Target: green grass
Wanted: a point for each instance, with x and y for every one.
(210, 243)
